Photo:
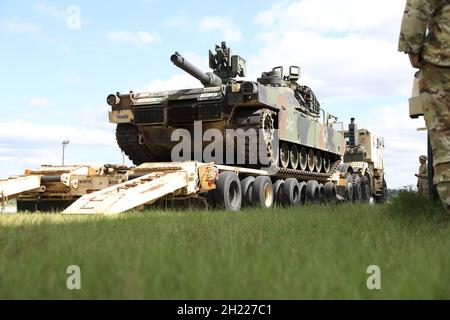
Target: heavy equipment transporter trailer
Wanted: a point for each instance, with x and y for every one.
(113, 189)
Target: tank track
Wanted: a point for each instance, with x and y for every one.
(127, 136)
(308, 175)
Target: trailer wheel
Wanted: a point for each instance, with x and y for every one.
(263, 195)
(357, 188)
(247, 191)
(312, 192)
(349, 188)
(228, 191)
(278, 191)
(384, 193)
(366, 189)
(291, 192)
(330, 193)
(321, 192)
(302, 187)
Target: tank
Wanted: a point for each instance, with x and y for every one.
(278, 118)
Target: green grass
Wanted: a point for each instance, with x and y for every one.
(302, 253)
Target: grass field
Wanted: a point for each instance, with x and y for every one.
(301, 253)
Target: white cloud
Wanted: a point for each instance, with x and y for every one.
(180, 21)
(175, 82)
(137, 39)
(19, 26)
(28, 145)
(345, 48)
(40, 102)
(24, 133)
(403, 143)
(45, 9)
(229, 29)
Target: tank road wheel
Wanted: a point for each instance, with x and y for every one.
(318, 161)
(326, 163)
(284, 155)
(263, 195)
(302, 188)
(311, 160)
(278, 191)
(303, 159)
(357, 188)
(330, 193)
(294, 157)
(312, 192)
(247, 191)
(228, 193)
(291, 192)
(267, 128)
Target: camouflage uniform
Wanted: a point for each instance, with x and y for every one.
(434, 48)
(422, 179)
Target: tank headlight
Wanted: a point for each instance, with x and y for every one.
(249, 88)
(112, 100)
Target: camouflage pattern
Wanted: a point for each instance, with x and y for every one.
(419, 17)
(295, 128)
(422, 180)
(146, 120)
(435, 98)
(443, 190)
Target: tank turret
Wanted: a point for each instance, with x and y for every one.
(283, 112)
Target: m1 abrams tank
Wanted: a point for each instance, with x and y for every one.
(284, 114)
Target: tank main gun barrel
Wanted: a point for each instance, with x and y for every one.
(208, 79)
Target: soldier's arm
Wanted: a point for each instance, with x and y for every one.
(415, 22)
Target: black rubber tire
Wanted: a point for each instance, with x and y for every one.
(366, 189)
(291, 193)
(263, 195)
(278, 191)
(312, 192)
(357, 187)
(228, 193)
(349, 188)
(247, 191)
(330, 193)
(321, 191)
(384, 193)
(302, 187)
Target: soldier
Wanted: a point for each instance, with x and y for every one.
(422, 176)
(425, 37)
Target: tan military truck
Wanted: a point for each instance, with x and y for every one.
(364, 164)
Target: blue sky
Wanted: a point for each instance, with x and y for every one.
(54, 80)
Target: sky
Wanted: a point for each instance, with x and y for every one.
(60, 59)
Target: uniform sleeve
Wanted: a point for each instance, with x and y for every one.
(415, 22)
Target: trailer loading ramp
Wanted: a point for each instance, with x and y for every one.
(164, 179)
(11, 187)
